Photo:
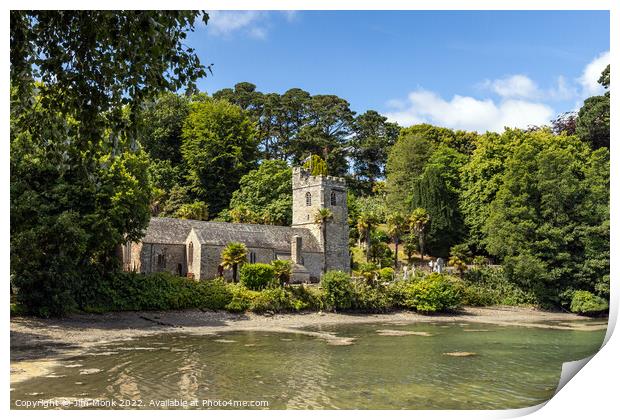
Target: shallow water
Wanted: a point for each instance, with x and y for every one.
(385, 367)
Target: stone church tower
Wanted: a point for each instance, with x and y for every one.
(311, 193)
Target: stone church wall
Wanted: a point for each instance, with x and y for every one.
(194, 266)
(157, 258)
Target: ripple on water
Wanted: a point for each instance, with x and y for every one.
(305, 371)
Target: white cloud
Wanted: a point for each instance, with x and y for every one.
(563, 90)
(520, 102)
(591, 74)
(225, 23)
(468, 113)
(515, 86)
(290, 15)
(252, 23)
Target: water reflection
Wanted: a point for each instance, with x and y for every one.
(415, 366)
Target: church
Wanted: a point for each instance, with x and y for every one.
(193, 248)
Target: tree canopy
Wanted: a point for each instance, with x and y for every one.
(219, 147)
(79, 182)
(264, 195)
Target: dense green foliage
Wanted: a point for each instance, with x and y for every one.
(541, 221)
(586, 303)
(593, 124)
(488, 286)
(370, 298)
(374, 136)
(433, 293)
(219, 147)
(115, 142)
(315, 165)
(160, 291)
(257, 276)
(79, 183)
(338, 290)
(264, 195)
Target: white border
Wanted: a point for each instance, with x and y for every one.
(591, 395)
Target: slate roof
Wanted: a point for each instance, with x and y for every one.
(167, 230)
(175, 231)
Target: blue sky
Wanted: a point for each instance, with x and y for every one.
(477, 70)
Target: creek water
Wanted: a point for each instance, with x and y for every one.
(386, 366)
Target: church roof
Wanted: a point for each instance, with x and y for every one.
(175, 231)
(167, 230)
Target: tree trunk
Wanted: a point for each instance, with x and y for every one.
(234, 273)
(367, 243)
(421, 247)
(396, 253)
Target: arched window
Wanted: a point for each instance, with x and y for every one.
(190, 254)
(333, 198)
(308, 199)
(252, 257)
(161, 261)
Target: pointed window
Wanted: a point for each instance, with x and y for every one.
(333, 199)
(308, 199)
(190, 254)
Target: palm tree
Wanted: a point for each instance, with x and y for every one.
(234, 255)
(365, 223)
(321, 218)
(458, 263)
(396, 225)
(282, 269)
(417, 221)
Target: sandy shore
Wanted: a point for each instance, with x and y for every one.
(37, 344)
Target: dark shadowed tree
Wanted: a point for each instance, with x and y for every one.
(593, 119)
(219, 146)
(78, 180)
(372, 138)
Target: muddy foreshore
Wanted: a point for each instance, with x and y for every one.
(37, 344)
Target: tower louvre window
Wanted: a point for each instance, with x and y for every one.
(308, 199)
(333, 198)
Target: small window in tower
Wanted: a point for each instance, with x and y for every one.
(308, 199)
(333, 198)
(252, 257)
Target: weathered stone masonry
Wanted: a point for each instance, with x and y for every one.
(192, 247)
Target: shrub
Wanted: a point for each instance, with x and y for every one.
(434, 293)
(275, 300)
(386, 274)
(158, 291)
(396, 292)
(338, 290)
(214, 294)
(488, 286)
(242, 298)
(18, 309)
(257, 276)
(368, 270)
(282, 270)
(586, 303)
(373, 298)
(381, 253)
(310, 297)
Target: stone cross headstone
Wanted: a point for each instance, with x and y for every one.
(439, 265)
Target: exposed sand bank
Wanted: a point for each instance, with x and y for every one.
(38, 344)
